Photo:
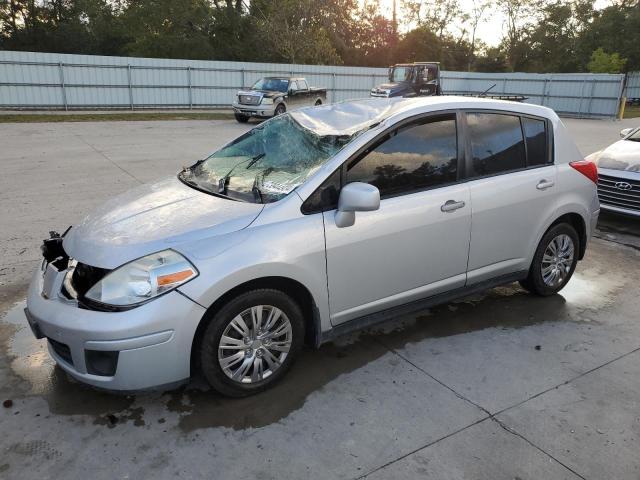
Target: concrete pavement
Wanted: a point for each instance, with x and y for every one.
(498, 385)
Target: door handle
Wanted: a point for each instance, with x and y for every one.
(451, 205)
(544, 184)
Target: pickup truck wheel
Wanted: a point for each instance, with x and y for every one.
(251, 342)
(318, 102)
(280, 109)
(241, 118)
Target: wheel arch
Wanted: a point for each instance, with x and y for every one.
(296, 290)
(577, 222)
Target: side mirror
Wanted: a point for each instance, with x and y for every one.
(356, 197)
(625, 131)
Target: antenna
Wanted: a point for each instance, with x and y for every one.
(487, 90)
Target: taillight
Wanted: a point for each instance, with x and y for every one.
(587, 168)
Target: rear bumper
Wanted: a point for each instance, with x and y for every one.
(148, 346)
(265, 111)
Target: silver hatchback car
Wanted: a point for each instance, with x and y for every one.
(313, 224)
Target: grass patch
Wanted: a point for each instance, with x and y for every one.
(111, 117)
(632, 111)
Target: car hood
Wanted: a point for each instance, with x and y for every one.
(151, 218)
(622, 155)
(265, 93)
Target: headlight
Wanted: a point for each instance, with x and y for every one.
(267, 101)
(143, 279)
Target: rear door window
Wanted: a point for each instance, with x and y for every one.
(497, 145)
(535, 132)
(303, 85)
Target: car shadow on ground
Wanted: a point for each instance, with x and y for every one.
(507, 307)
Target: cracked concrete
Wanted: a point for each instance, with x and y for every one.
(497, 385)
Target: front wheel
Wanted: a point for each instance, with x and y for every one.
(241, 118)
(554, 261)
(280, 109)
(251, 342)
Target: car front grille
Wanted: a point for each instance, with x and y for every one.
(62, 350)
(619, 192)
(249, 99)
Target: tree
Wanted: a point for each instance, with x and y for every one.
(293, 31)
(614, 29)
(374, 38)
(491, 60)
(168, 28)
(520, 15)
(438, 16)
(475, 17)
(552, 42)
(603, 62)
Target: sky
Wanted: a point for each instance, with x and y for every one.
(490, 31)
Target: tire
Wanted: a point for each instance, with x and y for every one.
(280, 109)
(558, 267)
(244, 347)
(318, 103)
(241, 118)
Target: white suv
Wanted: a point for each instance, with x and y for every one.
(313, 224)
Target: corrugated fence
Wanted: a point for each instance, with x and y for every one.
(30, 80)
(632, 91)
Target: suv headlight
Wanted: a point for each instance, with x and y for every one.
(143, 279)
(267, 101)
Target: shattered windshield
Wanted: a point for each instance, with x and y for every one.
(266, 163)
(272, 84)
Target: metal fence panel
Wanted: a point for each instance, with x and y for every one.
(632, 90)
(32, 80)
(574, 94)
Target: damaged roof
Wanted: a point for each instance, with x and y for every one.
(351, 116)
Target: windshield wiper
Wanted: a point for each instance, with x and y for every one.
(223, 183)
(255, 160)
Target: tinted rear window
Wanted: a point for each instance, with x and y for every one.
(496, 143)
(536, 134)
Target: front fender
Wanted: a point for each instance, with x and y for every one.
(293, 249)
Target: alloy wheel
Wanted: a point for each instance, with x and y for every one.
(557, 260)
(255, 344)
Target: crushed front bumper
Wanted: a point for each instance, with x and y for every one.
(146, 347)
(264, 111)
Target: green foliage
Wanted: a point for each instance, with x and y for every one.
(168, 29)
(539, 35)
(603, 62)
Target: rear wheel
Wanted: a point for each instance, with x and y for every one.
(554, 261)
(251, 342)
(318, 103)
(241, 118)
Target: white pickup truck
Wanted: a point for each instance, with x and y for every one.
(272, 96)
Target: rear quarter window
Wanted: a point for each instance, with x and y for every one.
(535, 132)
